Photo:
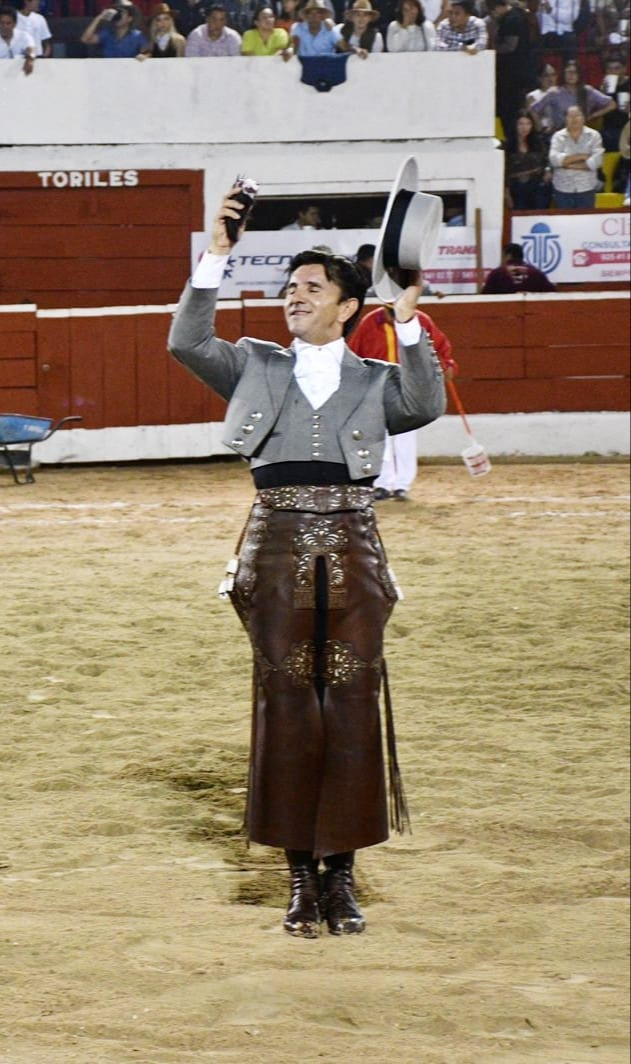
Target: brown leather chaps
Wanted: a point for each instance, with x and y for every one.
(314, 594)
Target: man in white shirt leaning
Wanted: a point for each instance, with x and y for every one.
(15, 43)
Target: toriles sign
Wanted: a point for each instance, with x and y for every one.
(88, 178)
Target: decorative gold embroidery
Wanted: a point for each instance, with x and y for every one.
(323, 500)
(254, 538)
(299, 664)
(341, 663)
(319, 537)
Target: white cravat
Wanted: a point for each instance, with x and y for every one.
(318, 370)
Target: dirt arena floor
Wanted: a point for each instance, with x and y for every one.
(135, 924)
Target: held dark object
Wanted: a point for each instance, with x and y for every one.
(247, 191)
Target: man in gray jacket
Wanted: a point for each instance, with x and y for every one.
(312, 586)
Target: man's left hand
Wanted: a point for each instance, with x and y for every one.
(405, 306)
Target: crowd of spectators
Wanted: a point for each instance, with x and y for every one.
(541, 49)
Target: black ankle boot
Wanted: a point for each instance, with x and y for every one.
(303, 915)
(338, 904)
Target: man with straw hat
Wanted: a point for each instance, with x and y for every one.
(311, 584)
(312, 36)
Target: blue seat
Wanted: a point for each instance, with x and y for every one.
(18, 433)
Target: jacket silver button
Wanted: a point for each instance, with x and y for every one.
(315, 454)
(358, 435)
(366, 468)
(248, 428)
(256, 416)
(236, 443)
(363, 453)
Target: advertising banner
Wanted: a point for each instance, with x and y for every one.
(576, 248)
(260, 259)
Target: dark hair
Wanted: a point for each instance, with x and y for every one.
(581, 91)
(533, 140)
(466, 4)
(340, 271)
(420, 17)
(365, 251)
(6, 9)
(367, 38)
(514, 252)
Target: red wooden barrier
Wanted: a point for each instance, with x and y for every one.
(113, 368)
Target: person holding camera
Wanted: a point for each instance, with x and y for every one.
(114, 31)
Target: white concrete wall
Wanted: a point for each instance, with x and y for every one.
(225, 116)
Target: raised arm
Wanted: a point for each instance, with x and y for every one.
(414, 394)
(192, 339)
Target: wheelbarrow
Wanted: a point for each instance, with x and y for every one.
(18, 433)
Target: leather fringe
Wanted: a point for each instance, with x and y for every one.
(399, 812)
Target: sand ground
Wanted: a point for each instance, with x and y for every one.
(135, 925)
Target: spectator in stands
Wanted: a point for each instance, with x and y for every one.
(576, 155)
(164, 40)
(30, 20)
(572, 90)
(515, 275)
(359, 33)
(114, 31)
(624, 147)
(411, 30)
(461, 31)
(240, 14)
(547, 78)
(612, 25)
(364, 260)
(308, 217)
(616, 85)
(15, 43)
(513, 63)
(315, 34)
(189, 14)
(215, 38)
(528, 175)
(557, 20)
(265, 38)
(286, 14)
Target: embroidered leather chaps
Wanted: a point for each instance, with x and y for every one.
(314, 594)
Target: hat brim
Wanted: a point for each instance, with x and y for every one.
(421, 242)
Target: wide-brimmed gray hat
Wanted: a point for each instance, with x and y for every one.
(409, 232)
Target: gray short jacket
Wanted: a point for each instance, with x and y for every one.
(254, 375)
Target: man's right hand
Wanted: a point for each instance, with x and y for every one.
(220, 243)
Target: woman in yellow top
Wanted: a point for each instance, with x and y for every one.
(264, 38)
